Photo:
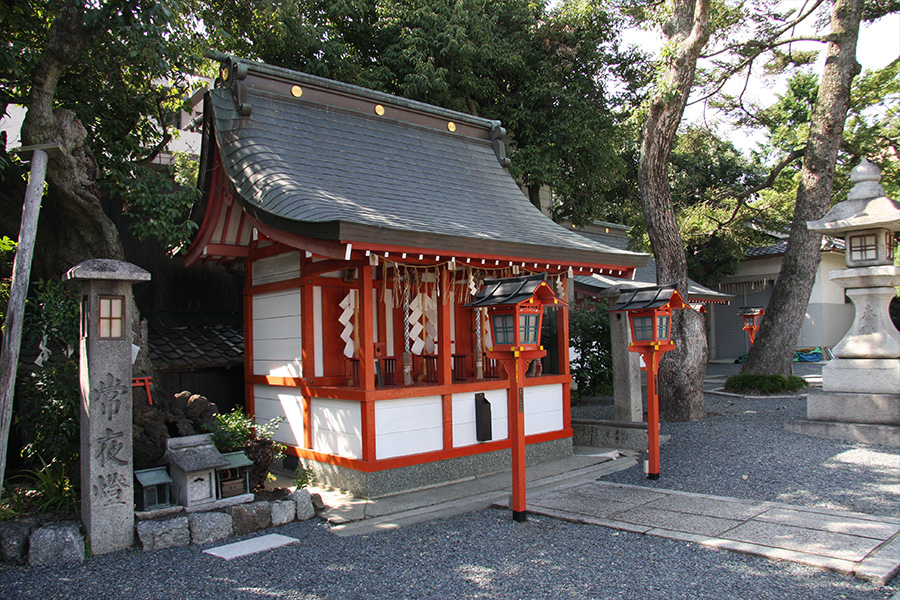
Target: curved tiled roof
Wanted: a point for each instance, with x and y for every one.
(348, 174)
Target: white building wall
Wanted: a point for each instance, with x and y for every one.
(336, 427)
(271, 402)
(543, 408)
(464, 417)
(277, 344)
(405, 426)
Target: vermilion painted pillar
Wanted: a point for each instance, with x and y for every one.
(515, 365)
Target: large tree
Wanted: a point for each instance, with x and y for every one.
(774, 347)
(104, 81)
(681, 373)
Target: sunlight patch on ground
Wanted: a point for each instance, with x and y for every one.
(476, 574)
(866, 457)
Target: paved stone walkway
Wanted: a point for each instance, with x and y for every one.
(865, 546)
(851, 543)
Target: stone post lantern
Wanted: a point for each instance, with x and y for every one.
(860, 396)
(107, 469)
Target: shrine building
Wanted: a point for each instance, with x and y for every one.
(363, 223)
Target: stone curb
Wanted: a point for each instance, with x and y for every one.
(35, 544)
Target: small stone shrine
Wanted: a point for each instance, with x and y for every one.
(193, 461)
(860, 396)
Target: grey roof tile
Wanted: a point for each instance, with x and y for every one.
(300, 164)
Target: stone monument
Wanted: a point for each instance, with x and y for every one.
(107, 469)
(860, 396)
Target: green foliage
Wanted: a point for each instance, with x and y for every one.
(42, 490)
(48, 394)
(48, 411)
(7, 254)
(763, 384)
(589, 336)
(127, 87)
(304, 477)
(235, 430)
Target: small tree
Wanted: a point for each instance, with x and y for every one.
(590, 338)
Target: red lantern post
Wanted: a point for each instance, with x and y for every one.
(650, 315)
(752, 316)
(516, 309)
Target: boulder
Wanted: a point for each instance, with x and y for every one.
(14, 541)
(247, 518)
(56, 543)
(209, 527)
(283, 512)
(303, 504)
(169, 533)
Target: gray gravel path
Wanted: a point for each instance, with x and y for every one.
(742, 450)
(486, 555)
(480, 555)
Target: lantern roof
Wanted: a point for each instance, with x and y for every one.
(750, 310)
(866, 206)
(511, 291)
(649, 298)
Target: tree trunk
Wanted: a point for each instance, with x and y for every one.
(773, 349)
(681, 373)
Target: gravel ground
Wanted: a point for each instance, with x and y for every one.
(479, 555)
(742, 450)
(486, 555)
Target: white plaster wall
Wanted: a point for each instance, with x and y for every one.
(318, 343)
(464, 417)
(270, 402)
(543, 408)
(336, 427)
(277, 341)
(407, 426)
(276, 268)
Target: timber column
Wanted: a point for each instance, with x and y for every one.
(107, 468)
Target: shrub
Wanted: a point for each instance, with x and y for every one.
(766, 385)
(589, 337)
(304, 477)
(48, 394)
(236, 431)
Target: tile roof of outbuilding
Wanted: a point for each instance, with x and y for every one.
(346, 173)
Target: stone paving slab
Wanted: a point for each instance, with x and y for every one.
(836, 524)
(677, 521)
(865, 546)
(701, 505)
(809, 541)
(251, 546)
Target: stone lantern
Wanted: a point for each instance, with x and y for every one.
(860, 396)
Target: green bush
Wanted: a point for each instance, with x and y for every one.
(304, 477)
(765, 385)
(48, 394)
(589, 336)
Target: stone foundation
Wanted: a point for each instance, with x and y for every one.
(405, 479)
(29, 541)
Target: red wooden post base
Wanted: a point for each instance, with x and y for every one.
(516, 364)
(651, 358)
